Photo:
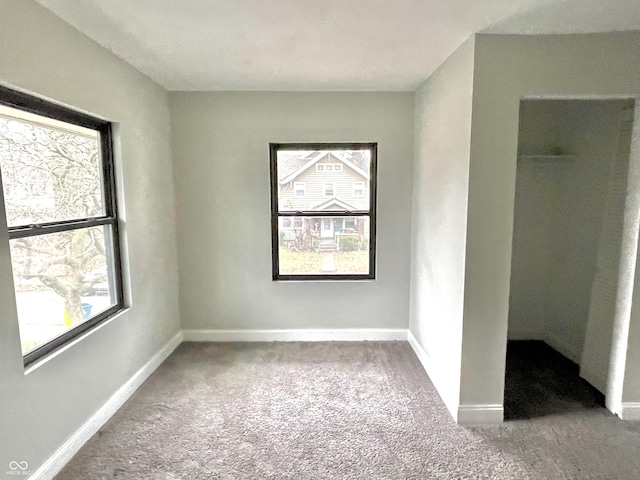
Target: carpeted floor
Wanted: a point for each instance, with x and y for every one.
(340, 411)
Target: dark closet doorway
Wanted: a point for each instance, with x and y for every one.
(573, 159)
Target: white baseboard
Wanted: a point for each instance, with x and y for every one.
(462, 414)
(68, 449)
(433, 373)
(630, 411)
(480, 414)
(296, 335)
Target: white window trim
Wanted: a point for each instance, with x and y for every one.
(355, 187)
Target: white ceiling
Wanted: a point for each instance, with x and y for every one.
(317, 45)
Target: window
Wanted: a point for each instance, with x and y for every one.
(58, 187)
(328, 167)
(299, 189)
(337, 235)
(286, 222)
(328, 189)
(358, 189)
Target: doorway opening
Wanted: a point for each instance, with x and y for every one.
(571, 186)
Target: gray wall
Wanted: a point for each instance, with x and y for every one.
(221, 144)
(507, 69)
(541, 130)
(40, 410)
(440, 180)
(558, 219)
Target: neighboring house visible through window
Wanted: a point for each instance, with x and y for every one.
(58, 188)
(332, 235)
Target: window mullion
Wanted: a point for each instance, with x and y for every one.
(330, 213)
(48, 228)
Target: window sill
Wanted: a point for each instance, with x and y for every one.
(51, 355)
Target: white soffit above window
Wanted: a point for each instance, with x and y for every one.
(312, 45)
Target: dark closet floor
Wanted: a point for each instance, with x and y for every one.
(540, 382)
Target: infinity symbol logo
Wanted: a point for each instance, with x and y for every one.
(18, 465)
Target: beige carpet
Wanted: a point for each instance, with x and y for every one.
(333, 411)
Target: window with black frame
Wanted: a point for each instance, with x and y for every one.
(329, 232)
(58, 188)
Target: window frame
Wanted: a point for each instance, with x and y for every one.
(31, 104)
(274, 148)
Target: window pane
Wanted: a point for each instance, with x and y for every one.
(358, 189)
(328, 189)
(61, 280)
(325, 246)
(329, 177)
(51, 170)
(299, 189)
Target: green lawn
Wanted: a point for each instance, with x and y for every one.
(310, 262)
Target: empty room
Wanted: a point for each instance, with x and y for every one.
(319, 240)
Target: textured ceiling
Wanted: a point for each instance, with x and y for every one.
(316, 45)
